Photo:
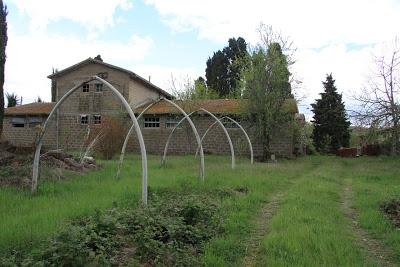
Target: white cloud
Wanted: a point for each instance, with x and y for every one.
(329, 26)
(311, 23)
(93, 14)
(349, 69)
(30, 58)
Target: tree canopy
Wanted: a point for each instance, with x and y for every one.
(267, 87)
(223, 71)
(12, 100)
(331, 126)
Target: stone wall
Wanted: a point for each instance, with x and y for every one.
(26, 136)
(81, 102)
(184, 142)
(72, 137)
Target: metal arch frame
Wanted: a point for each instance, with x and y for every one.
(240, 126)
(35, 171)
(201, 140)
(186, 117)
(123, 149)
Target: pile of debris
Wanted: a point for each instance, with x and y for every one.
(60, 159)
(16, 164)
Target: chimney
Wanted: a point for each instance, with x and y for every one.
(149, 78)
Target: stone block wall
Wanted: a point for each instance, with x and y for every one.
(26, 136)
(184, 142)
(72, 136)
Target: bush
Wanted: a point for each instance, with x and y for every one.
(111, 134)
(171, 231)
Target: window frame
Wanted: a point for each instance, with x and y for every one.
(81, 116)
(151, 122)
(97, 86)
(228, 124)
(18, 122)
(97, 119)
(172, 121)
(84, 89)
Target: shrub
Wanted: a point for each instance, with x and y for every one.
(111, 134)
(171, 231)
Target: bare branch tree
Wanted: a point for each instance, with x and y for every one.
(268, 36)
(379, 99)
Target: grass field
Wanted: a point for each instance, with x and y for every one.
(294, 213)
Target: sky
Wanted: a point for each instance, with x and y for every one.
(174, 38)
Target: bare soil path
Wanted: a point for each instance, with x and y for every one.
(261, 228)
(376, 252)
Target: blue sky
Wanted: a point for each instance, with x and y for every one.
(172, 37)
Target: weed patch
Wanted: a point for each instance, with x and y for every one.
(392, 211)
(170, 232)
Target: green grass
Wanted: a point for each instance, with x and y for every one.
(375, 181)
(308, 229)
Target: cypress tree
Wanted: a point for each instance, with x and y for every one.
(331, 126)
(54, 87)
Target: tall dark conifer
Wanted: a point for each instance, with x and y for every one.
(54, 87)
(3, 44)
(222, 71)
(331, 126)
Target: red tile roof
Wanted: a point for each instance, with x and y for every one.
(218, 106)
(30, 109)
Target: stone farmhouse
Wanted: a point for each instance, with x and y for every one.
(89, 105)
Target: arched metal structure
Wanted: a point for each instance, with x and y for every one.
(186, 117)
(35, 171)
(201, 140)
(122, 156)
(241, 128)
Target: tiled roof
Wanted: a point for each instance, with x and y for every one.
(30, 109)
(131, 74)
(218, 106)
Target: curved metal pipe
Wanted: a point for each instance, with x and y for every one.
(170, 136)
(226, 133)
(35, 171)
(201, 140)
(186, 116)
(122, 156)
(240, 126)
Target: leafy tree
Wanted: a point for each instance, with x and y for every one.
(54, 87)
(187, 89)
(267, 88)
(331, 126)
(3, 44)
(222, 73)
(12, 100)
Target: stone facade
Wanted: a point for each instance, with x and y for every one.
(26, 135)
(184, 142)
(81, 111)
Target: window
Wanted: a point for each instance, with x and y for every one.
(230, 124)
(97, 119)
(99, 87)
(151, 122)
(85, 88)
(172, 121)
(18, 122)
(34, 121)
(84, 119)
